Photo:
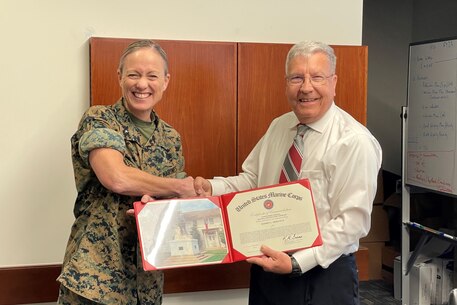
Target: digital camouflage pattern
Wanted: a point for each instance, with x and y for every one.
(102, 261)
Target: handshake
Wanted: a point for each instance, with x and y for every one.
(187, 187)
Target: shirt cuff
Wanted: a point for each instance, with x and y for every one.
(218, 187)
(305, 259)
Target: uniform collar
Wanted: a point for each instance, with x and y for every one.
(124, 115)
(129, 131)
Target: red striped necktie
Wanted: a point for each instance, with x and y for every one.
(292, 163)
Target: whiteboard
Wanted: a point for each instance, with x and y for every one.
(431, 115)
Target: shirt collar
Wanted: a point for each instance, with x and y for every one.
(321, 124)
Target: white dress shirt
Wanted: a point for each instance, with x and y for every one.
(341, 160)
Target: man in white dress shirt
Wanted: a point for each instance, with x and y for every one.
(341, 159)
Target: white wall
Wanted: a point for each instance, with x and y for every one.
(44, 66)
(45, 84)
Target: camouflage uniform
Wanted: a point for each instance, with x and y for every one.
(102, 262)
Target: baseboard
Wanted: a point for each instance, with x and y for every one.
(29, 284)
(37, 284)
(203, 278)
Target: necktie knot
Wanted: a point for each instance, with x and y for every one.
(301, 129)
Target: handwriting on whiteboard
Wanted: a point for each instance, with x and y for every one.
(424, 169)
(432, 98)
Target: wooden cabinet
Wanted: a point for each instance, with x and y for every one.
(221, 98)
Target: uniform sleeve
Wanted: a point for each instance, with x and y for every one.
(100, 138)
(98, 129)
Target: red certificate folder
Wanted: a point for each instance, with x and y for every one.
(223, 229)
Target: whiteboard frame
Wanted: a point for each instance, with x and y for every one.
(407, 181)
(409, 188)
(405, 212)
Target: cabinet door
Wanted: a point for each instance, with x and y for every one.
(261, 88)
(200, 101)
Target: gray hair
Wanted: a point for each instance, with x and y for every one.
(140, 44)
(308, 48)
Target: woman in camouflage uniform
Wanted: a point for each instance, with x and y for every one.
(119, 153)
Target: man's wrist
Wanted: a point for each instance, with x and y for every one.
(296, 269)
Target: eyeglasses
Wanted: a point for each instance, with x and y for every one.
(315, 80)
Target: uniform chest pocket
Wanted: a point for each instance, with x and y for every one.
(162, 160)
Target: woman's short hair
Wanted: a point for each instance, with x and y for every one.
(140, 44)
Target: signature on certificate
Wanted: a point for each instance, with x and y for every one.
(292, 237)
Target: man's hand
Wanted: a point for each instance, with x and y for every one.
(272, 261)
(202, 187)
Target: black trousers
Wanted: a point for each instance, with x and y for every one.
(336, 285)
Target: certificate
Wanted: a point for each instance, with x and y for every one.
(282, 218)
(223, 229)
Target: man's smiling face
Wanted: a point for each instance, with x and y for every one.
(310, 101)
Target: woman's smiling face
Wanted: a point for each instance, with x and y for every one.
(143, 81)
